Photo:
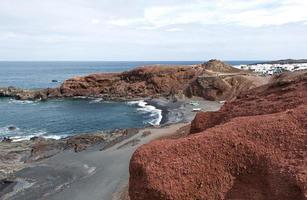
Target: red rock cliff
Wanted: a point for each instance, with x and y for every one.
(254, 148)
(213, 80)
(140, 82)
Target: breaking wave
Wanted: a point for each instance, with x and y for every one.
(17, 134)
(154, 113)
(22, 102)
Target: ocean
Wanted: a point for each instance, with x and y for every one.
(63, 117)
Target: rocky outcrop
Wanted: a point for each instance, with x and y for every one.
(220, 67)
(142, 82)
(223, 87)
(15, 156)
(253, 148)
(285, 91)
(21, 94)
(213, 80)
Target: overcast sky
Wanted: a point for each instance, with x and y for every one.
(152, 29)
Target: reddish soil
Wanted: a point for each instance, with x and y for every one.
(254, 148)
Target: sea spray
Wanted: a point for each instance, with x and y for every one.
(155, 114)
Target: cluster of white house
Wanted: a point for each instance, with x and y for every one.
(270, 69)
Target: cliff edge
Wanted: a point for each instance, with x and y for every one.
(255, 148)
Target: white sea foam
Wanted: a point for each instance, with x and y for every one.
(97, 100)
(144, 107)
(22, 102)
(18, 134)
(80, 97)
(4, 131)
(28, 137)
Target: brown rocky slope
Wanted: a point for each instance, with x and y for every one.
(285, 91)
(254, 148)
(213, 80)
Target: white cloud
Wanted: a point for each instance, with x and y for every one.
(95, 21)
(254, 13)
(152, 29)
(174, 30)
(126, 22)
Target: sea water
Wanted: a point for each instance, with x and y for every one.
(63, 117)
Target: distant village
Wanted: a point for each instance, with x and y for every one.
(271, 69)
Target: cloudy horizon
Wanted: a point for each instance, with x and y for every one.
(152, 30)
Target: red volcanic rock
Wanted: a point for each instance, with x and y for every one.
(285, 91)
(223, 87)
(214, 80)
(256, 149)
(260, 157)
(141, 82)
(219, 66)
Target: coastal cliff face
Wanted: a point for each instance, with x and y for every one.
(253, 148)
(213, 80)
(141, 82)
(285, 91)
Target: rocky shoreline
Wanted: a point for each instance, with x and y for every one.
(15, 156)
(18, 155)
(168, 88)
(213, 80)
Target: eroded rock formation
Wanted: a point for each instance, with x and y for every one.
(255, 148)
(141, 82)
(285, 91)
(213, 80)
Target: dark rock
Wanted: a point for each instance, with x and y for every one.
(7, 140)
(12, 128)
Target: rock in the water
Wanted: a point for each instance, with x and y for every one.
(7, 140)
(12, 128)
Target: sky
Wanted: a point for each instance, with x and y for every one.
(152, 29)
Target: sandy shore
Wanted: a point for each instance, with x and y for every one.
(97, 172)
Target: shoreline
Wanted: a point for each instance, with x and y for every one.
(34, 155)
(84, 169)
(142, 105)
(172, 111)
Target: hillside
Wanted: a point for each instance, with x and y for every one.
(253, 148)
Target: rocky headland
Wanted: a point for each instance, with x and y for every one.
(254, 147)
(213, 80)
(285, 61)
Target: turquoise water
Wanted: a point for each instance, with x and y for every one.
(60, 118)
